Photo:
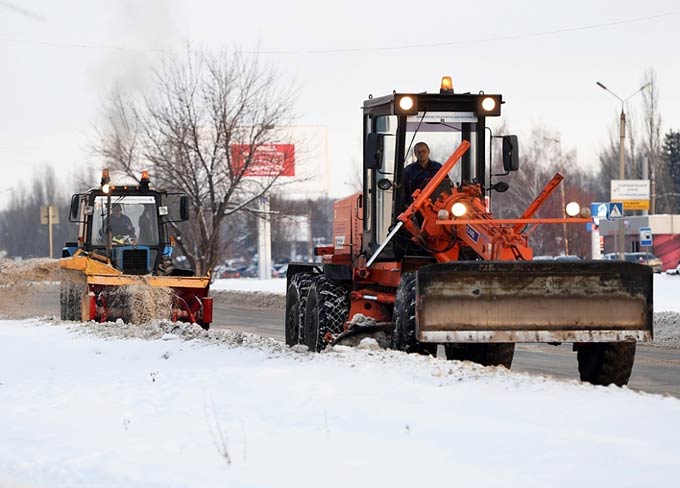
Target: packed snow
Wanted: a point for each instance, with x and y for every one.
(91, 405)
(166, 405)
(274, 285)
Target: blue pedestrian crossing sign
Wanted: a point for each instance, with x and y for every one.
(646, 238)
(615, 210)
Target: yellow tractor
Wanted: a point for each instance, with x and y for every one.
(121, 265)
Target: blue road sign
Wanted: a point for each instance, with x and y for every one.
(615, 211)
(646, 238)
(599, 210)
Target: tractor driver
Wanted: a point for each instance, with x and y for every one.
(416, 175)
(121, 225)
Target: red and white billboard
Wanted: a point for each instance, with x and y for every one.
(268, 160)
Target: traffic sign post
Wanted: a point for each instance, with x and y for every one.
(49, 215)
(615, 211)
(646, 237)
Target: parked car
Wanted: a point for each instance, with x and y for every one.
(638, 257)
(229, 273)
(645, 258)
(570, 257)
(279, 270)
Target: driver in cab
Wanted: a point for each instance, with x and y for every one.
(120, 224)
(416, 175)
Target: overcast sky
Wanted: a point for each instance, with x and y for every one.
(61, 58)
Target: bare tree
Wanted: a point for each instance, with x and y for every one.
(651, 118)
(201, 130)
(21, 233)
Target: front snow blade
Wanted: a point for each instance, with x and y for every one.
(527, 301)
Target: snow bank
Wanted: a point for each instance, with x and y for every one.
(80, 410)
(275, 285)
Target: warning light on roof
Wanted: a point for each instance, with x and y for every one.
(447, 85)
(105, 183)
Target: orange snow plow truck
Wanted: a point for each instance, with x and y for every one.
(420, 266)
(121, 265)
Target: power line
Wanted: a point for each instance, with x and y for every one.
(22, 11)
(469, 41)
(511, 37)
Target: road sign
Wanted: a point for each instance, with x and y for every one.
(646, 238)
(636, 204)
(615, 211)
(599, 210)
(53, 214)
(622, 190)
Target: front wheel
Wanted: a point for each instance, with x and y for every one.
(604, 363)
(326, 312)
(296, 300)
(404, 334)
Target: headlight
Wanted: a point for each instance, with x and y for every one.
(458, 209)
(106, 188)
(406, 103)
(572, 209)
(443, 215)
(488, 104)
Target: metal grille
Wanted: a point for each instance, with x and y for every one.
(135, 261)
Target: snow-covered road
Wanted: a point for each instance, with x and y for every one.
(79, 410)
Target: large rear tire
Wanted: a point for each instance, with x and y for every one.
(64, 300)
(604, 363)
(296, 300)
(70, 298)
(326, 311)
(493, 354)
(404, 335)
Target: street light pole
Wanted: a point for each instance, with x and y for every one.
(622, 153)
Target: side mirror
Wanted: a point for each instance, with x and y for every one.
(510, 153)
(183, 208)
(500, 187)
(373, 148)
(74, 208)
(384, 184)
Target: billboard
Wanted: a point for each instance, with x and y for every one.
(268, 159)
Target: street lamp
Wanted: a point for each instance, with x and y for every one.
(622, 168)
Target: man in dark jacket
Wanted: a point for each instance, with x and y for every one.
(121, 225)
(416, 175)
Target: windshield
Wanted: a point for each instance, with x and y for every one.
(442, 132)
(133, 221)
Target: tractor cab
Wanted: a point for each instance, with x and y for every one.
(395, 123)
(127, 225)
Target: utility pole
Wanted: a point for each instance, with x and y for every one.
(621, 244)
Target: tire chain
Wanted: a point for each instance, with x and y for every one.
(300, 283)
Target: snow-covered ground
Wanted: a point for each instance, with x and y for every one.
(275, 285)
(226, 409)
(666, 293)
(159, 406)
